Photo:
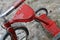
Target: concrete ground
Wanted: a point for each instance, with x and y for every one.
(37, 32)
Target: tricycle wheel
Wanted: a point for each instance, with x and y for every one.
(21, 32)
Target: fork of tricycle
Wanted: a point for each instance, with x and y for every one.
(10, 30)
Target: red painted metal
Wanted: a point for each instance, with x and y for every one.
(8, 27)
(49, 25)
(24, 14)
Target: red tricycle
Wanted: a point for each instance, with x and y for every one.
(26, 14)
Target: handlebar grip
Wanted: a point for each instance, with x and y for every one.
(17, 3)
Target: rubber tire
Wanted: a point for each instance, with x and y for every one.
(42, 9)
